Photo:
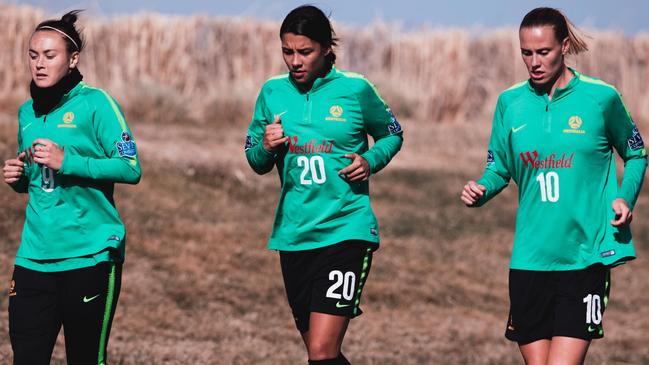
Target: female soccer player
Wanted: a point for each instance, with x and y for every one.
(554, 134)
(74, 145)
(312, 123)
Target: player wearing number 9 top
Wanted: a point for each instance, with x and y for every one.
(73, 146)
(312, 123)
(554, 134)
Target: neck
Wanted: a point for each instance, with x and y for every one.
(45, 99)
(560, 80)
(323, 73)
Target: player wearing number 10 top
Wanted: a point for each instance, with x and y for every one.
(312, 123)
(554, 134)
(73, 146)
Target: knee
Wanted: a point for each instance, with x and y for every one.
(325, 348)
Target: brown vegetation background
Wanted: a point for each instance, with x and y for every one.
(199, 286)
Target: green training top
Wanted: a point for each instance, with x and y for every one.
(317, 207)
(559, 153)
(71, 219)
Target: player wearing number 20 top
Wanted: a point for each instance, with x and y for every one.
(554, 134)
(312, 123)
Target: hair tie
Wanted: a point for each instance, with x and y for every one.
(60, 31)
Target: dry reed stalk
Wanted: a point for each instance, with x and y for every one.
(204, 64)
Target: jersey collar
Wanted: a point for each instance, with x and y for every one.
(562, 92)
(319, 83)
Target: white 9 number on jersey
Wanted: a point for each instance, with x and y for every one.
(47, 179)
(549, 186)
(593, 309)
(313, 170)
(347, 281)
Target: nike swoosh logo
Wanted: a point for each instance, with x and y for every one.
(519, 128)
(338, 305)
(282, 113)
(27, 126)
(86, 299)
(591, 329)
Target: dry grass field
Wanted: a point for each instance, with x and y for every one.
(199, 287)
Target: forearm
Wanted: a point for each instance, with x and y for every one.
(634, 170)
(119, 170)
(260, 160)
(382, 152)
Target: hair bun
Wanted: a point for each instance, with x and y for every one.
(70, 17)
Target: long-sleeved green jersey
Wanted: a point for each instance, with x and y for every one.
(559, 152)
(71, 216)
(317, 207)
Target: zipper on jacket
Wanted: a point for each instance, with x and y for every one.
(306, 113)
(547, 119)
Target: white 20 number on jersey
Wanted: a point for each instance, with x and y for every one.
(347, 281)
(313, 170)
(549, 186)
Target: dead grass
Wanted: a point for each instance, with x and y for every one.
(200, 288)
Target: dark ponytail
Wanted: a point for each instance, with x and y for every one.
(65, 26)
(563, 27)
(311, 22)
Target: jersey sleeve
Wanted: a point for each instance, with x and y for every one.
(497, 174)
(382, 125)
(121, 163)
(261, 160)
(625, 138)
(20, 186)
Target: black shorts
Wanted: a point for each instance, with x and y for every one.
(544, 304)
(83, 301)
(326, 280)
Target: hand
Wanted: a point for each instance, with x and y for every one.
(623, 215)
(14, 169)
(48, 153)
(357, 170)
(471, 193)
(274, 135)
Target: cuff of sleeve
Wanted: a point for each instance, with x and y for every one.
(260, 157)
(267, 153)
(72, 163)
(20, 186)
(371, 160)
(630, 201)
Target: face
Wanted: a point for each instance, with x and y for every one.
(49, 60)
(304, 57)
(542, 53)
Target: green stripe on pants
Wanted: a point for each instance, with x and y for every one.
(101, 359)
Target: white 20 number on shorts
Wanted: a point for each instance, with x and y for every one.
(347, 281)
(314, 167)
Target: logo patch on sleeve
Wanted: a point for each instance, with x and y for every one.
(490, 158)
(635, 142)
(394, 127)
(248, 143)
(126, 147)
